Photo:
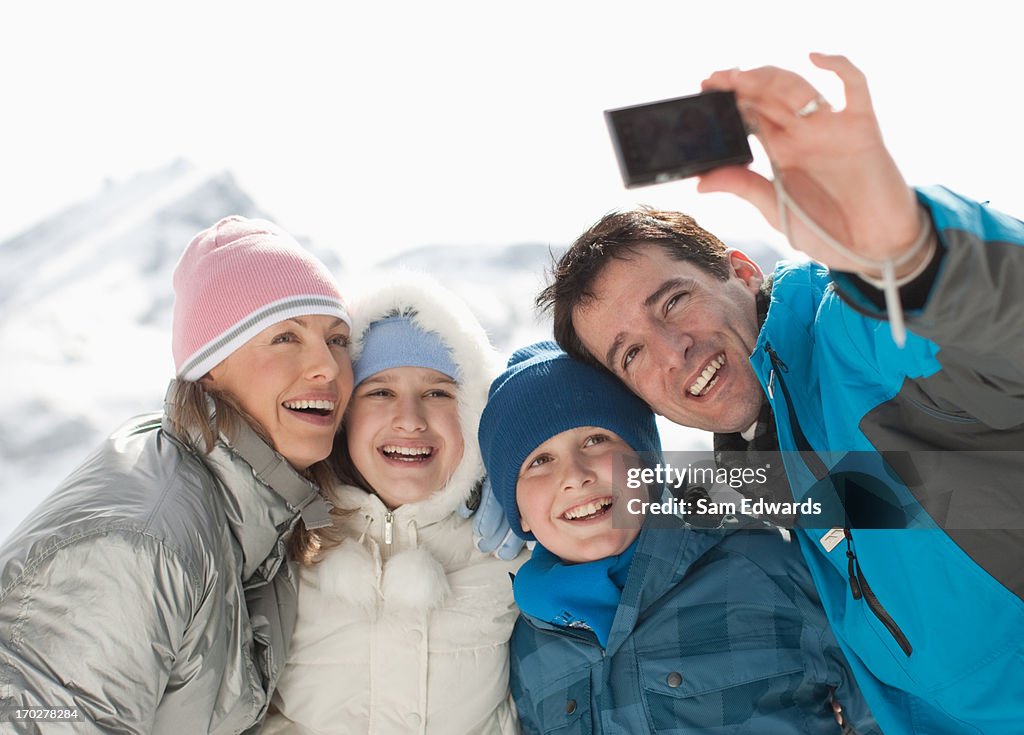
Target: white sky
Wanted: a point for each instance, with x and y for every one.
(376, 127)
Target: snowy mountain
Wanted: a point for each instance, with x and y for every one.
(85, 314)
(499, 283)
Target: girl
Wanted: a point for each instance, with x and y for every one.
(149, 593)
(404, 626)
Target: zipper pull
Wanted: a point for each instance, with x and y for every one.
(777, 364)
(851, 568)
(776, 360)
(389, 529)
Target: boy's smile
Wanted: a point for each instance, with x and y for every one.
(565, 495)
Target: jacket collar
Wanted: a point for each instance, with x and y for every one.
(264, 497)
(663, 557)
(796, 293)
(422, 513)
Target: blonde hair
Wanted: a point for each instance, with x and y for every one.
(188, 413)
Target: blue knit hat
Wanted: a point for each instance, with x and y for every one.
(397, 342)
(544, 392)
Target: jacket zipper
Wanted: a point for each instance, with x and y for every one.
(810, 457)
(389, 527)
(859, 586)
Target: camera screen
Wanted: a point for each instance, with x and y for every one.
(677, 138)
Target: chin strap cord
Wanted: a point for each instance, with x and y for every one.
(888, 283)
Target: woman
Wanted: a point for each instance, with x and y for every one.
(404, 626)
(149, 593)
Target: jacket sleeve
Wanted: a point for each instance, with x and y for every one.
(965, 344)
(93, 624)
(970, 300)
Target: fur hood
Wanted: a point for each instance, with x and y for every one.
(435, 309)
(406, 607)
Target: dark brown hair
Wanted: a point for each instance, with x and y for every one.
(620, 235)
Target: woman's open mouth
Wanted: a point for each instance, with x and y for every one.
(406, 455)
(318, 408)
(319, 412)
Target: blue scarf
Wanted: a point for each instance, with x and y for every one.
(573, 595)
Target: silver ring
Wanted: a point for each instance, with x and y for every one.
(812, 107)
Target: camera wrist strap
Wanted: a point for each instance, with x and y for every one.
(888, 282)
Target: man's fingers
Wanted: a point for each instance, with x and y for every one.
(722, 79)
(774, 94)
(779, 94)
(855, 84)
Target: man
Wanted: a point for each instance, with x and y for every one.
(812, 362)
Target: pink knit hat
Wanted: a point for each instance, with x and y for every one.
(234, 280)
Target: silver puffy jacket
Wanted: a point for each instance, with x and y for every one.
(151, 591)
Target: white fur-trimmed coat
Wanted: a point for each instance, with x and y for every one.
(409, 636)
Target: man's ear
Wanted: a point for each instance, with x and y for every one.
(745, 269)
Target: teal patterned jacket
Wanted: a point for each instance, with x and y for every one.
(717, 632)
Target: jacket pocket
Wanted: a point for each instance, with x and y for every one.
(713, 690)
(941, 414)
(563, 708)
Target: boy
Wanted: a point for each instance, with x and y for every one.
(664, 630)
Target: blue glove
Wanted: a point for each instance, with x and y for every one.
(491, 531)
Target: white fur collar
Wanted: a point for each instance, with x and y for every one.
(441, 311)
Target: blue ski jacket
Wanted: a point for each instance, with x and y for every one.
(929, 609)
